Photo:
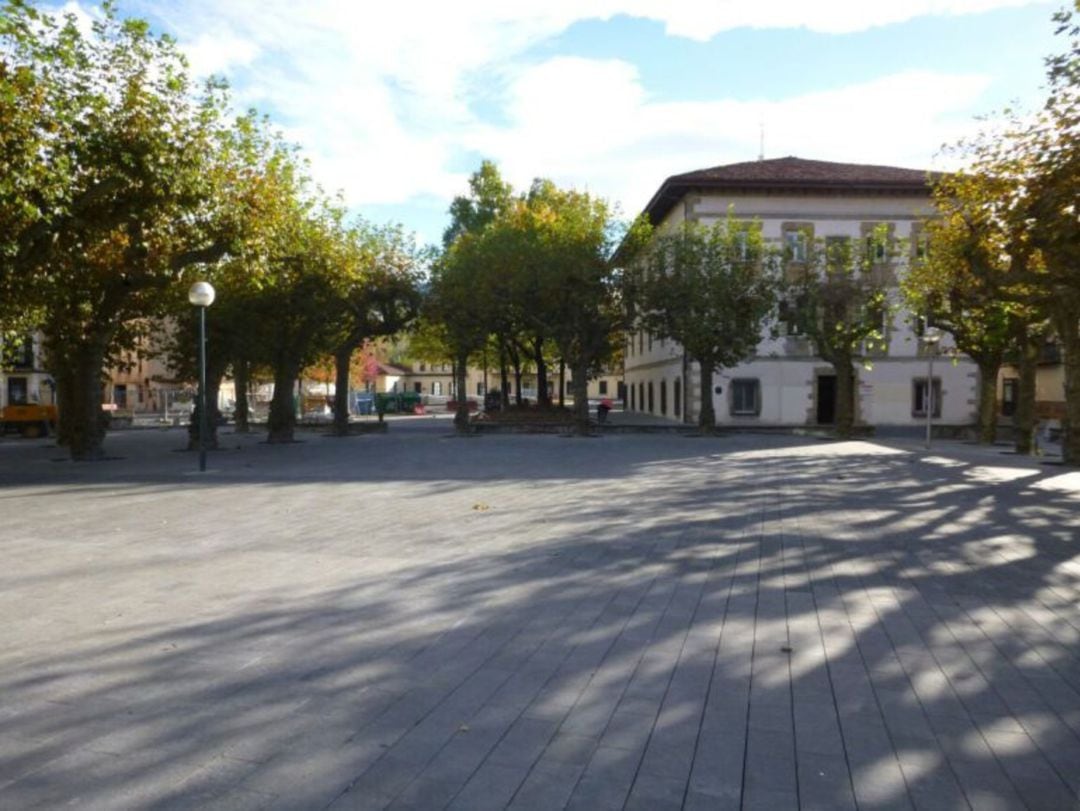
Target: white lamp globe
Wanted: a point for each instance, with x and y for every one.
(201, 294)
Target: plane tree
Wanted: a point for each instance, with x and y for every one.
(126, 198)
(838, 293)
(967, 278)
(377, 294)
(709, 287)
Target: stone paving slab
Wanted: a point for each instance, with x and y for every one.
(417, 621)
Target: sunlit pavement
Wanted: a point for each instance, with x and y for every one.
(413, 620)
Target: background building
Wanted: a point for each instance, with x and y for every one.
(785, 383)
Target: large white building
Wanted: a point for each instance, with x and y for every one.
(785, 383)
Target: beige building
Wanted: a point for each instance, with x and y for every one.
(23, 377)
(1049, 387)
(785, 383)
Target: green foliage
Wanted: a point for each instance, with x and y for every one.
(1004, 254)
(111, 191)
(710, 288)
(840, 294)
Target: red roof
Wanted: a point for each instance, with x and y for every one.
(790, 174)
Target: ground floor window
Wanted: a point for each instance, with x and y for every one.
(418, 387)
(603, 387)
(631, 398)
(641, 396)
(120, 395)
(1010, 393)
(746, 397)
(677, 392)
(918, 397)
(663, 397)
(436, 388)
(651, 401)
(18, 392)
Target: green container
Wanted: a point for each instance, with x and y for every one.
(397, 402)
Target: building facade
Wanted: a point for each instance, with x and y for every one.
(23, 377)
(785, 383)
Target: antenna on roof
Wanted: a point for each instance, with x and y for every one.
(761, 139)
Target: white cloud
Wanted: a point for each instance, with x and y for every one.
(590, 122)
(702, 19)
(383, 97)
(219, 52)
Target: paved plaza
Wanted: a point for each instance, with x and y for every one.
(419, 621)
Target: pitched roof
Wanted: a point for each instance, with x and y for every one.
(789, 174)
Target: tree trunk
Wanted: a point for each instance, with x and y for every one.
(504, 374)
(65, 406)
(77, 370)
(518, 396)
(213, 414)
(562, 383)
(1025, 404)
(543, 396)
(282, 420)
(580, 386)
(241, 379)
(342, 358)
(707, 414)
(461, 416)
(85, 421)
(988, 375)
(1068, 329)
(845, 399)
(513, 352)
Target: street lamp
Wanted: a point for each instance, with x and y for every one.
(931, 338)
(201, 295)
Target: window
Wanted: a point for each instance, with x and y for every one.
(918, 397)
(650, 397)
(120, 395)
(677, 392)
(742, 246)
(603, 387)
(641, 396)
(1010, 393)
(418, 387)
(479, 389)
(918, 325)
(878, 238)
(663, 397)
(631, 398)
(838, 253)
(796, 242)
(436, 388)
(876, 250)
(422, 367)
(793, 316)
(745, 397)
(17, 391)
(21, 355)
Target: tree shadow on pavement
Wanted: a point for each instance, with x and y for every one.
(663, 623)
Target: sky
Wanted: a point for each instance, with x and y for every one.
(396, 103)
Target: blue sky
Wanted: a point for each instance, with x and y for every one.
(396, 104)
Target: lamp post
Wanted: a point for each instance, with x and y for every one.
(201, 295)
(931, 338)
